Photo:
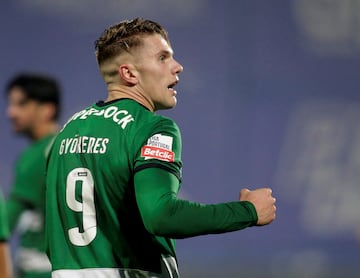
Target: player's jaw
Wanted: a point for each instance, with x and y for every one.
(168, 98)
(20, 127)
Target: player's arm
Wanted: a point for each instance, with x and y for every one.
(5, 261)
(15, 207)
(5, 264)
(24, 190)
(164, 214)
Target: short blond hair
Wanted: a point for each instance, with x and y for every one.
(125, 36)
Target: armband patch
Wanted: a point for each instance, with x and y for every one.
(159, 147)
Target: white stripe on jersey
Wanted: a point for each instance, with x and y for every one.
(103, 273)
(171, 267)
(32, 260)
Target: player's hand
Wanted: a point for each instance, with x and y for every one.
(264, 203)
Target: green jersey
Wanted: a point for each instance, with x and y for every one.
(4, 231)
(26, 210)
(113, 176)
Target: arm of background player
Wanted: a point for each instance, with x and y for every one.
(5, 262)
(164, 214)
(14, 209)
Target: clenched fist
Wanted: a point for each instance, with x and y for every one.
(264, 203)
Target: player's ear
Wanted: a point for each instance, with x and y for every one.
(128, 73)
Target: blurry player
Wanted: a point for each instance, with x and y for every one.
(33, 109)
(114, 171)
(5, 262)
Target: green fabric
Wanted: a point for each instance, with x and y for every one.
(30, 274)
(93, 158)
(4, 230)
(113, 175)
(167, 216)
(27, 195)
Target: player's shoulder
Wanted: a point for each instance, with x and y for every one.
(156, 122)
(75, 116)
(164, 122)
(36, 150)
(147, 119)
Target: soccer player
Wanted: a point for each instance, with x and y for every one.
(114, 170)
(33, 109)
(5, 261)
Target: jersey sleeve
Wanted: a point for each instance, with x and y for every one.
(27, 191)
(157, 181)
(4, 231)
(165, 215)
(160, 148)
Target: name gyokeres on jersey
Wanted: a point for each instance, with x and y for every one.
(96, 145)
(83, 144)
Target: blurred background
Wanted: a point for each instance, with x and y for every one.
(269, 96)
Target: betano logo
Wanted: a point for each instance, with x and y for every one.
(149, 152)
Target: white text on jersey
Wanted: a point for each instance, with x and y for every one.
(83, 144)
(121, 117)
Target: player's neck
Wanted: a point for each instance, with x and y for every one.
(118, 93)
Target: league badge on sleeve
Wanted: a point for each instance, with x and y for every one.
(159, 147)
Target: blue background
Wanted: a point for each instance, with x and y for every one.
(269, 96)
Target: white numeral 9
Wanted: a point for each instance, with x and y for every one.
(87, 206)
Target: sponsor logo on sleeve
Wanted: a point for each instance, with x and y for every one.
(159, 147)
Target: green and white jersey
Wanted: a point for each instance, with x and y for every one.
(26, 210)
(93, 221)
(4, 231)
(112, 209)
